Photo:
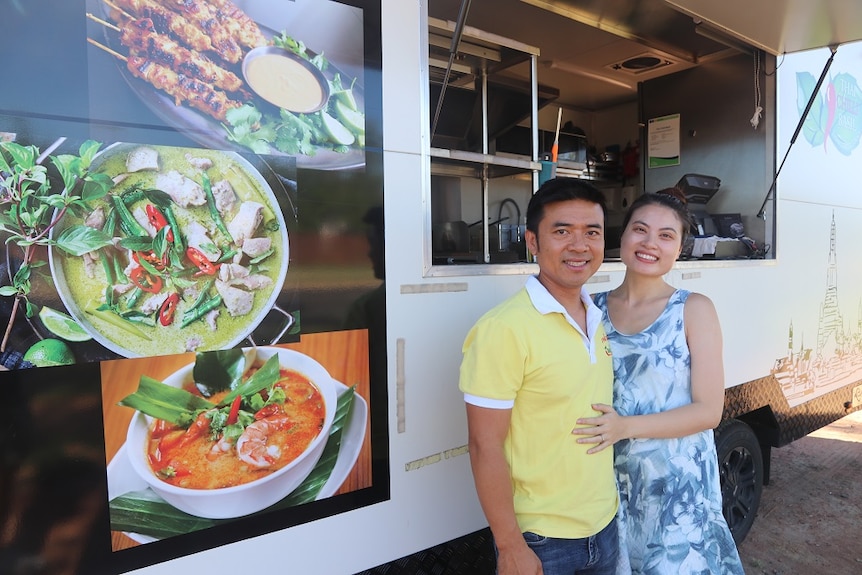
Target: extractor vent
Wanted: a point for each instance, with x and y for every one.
(646, 62)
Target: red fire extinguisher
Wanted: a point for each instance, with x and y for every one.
(630, 157)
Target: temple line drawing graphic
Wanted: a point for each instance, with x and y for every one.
(836, 358)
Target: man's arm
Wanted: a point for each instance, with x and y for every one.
(487, 432)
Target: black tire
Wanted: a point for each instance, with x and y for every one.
(740, 467)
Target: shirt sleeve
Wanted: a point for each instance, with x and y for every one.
(492, 369)
(489, 403)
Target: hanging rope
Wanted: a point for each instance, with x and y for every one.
(755, 119)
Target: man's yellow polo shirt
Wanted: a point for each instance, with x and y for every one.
(528, 355)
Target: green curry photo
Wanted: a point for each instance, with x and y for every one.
(198, 252)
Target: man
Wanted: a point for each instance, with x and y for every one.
(532, 366)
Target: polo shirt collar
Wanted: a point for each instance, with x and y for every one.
(545, 303)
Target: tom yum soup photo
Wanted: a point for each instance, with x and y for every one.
(194, 256)
(234, 433)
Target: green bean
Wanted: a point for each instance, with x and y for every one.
(109, 277)
(127, 222)
(228, 254)
(211, 203)
(209, 305)
(110, 222)
(201, 296)
(262, 256)
(138, 317)
(106, 265)
(119, 272)
(179, 244)
(132, 195)
(133, 298)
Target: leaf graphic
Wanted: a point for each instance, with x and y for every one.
(812, 128)
(847, 126)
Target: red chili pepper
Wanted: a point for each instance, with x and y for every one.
(151, 258)
(158, 220)
(145, 280)
(234, 410)
(267, 411)
(198, 258)
(161, 428)
(168, 309)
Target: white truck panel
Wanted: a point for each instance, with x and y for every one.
(432, 495)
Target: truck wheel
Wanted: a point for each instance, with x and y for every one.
(740, 465)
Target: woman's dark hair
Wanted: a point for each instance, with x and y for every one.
(671, 198)
(561, 190)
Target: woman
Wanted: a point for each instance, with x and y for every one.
(668, 396)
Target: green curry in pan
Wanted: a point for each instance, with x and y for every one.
(198, 256)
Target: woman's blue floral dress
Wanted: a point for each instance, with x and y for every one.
(670, 519)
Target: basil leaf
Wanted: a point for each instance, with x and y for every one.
(137, 243)
(160, 242)
(55, 202)
(88, 150)
(79, 240)
(22, 156)
(216, 371)
(159, 198)
(262, 379)
(96, 186)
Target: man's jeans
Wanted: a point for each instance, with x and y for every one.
(594, 555)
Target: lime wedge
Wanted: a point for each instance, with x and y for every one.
(49, 352)
(336, 130)
(346, 97)
(62, 325)
(355, 121)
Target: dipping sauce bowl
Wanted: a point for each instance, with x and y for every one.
(285, 79)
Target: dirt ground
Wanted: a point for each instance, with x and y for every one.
(810, 514)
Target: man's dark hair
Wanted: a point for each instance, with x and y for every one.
(561, 190)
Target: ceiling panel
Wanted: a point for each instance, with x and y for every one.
(579, 40)
(780, 26)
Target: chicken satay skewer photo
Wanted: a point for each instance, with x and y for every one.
(140, 35)
(165, 21)
(197, 94)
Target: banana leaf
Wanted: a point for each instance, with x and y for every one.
(164, 401)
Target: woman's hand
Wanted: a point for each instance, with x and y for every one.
(602, 431)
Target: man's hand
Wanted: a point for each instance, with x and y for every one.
(518, 561)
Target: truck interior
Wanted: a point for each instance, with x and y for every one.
(511, 82)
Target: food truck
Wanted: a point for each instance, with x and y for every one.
(244, 241)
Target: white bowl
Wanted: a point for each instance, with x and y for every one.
(228, 502)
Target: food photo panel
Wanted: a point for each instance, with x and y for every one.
(281, 78)
(191, 211)
(194, 441)
(132, 250)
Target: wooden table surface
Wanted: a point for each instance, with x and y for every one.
(344, 354)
